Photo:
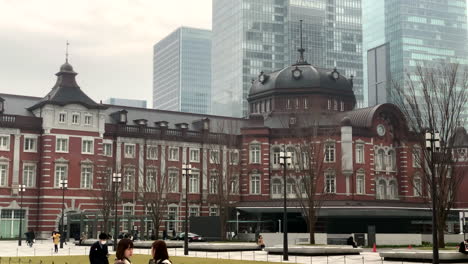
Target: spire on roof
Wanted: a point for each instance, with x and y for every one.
(66, 52)
(301, 60)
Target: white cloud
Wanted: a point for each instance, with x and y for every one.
(111, 42)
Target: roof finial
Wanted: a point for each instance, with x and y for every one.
(301, 49)
(66, 53)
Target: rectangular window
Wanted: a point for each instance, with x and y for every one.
(276, 157)
(213, 211)
(214, 183)
(288, 104)
(306, 103)
(128, 210)
(417, 160)
(255, 184)
(88, 119)
(360, 184)
(128, 179)
(297, 103)
(194, 211)
(4, 142)
(87, 146)
(417, 187)
(173, 183)
(151, 175)
(75, 119)
(62, 117)
(335, 105)
(173, 153)
(30, 144)
(360, 153)
(172, 217)
(329, 104)
(330, 183)
(29, 175)
(86, 177)
(254, 153)
(3, 175)
(61, 145)
(61, 173)
(152, 152)
(194, 155)
(214, 157)
(330, 152)
(235, 184)
(234, 157)
(194, 184)
(129, 151)
(107, 149)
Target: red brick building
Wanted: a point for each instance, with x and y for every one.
(366, 160)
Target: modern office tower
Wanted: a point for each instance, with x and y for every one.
(251, 36)
(182, 71)
(378, 75)
(126, 102)
(415, 32)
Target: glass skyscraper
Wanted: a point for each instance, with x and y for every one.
(182, 71)
(414, 32)
(251, 36)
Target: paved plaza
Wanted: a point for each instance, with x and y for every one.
(45, 248)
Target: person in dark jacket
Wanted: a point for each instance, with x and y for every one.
(99, 252)
(462, 248)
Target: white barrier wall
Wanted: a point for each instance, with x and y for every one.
(398, 239)
(273, 239)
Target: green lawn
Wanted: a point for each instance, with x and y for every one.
(137, 259)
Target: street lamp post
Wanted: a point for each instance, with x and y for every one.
(186, 171)
(64, 185)
(433, 144)
(116, 180)
(285, 160)
(21, 189)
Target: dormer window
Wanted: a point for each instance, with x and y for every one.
(123, 116)
(206, 124)
(2, 105)
(182, 126)
(141, 122)
(162, 124)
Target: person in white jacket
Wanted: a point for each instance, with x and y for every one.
(159, 253)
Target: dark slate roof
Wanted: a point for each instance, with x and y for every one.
(218, 124)
(363, 117)
(18, 104)
(311, 78)
(66, 91)
(460, 138)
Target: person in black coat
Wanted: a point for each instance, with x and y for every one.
(99, 252)
(462, 248)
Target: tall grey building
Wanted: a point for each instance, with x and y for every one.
(126, 102)
(182, 71)
(412, 32)
(251, 36)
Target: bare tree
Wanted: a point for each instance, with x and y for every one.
(434, 98)
(152, 192)
(224, 173)
(105, 196)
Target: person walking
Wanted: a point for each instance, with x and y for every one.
(463, 247)
(124, 251)
(56, 240)
(98, 253)
(159, 253)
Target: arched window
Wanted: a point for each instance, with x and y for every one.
(393, 190)
(276, 186)
(381, 189)
(290, 185)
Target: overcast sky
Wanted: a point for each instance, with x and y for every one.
(110, 42)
